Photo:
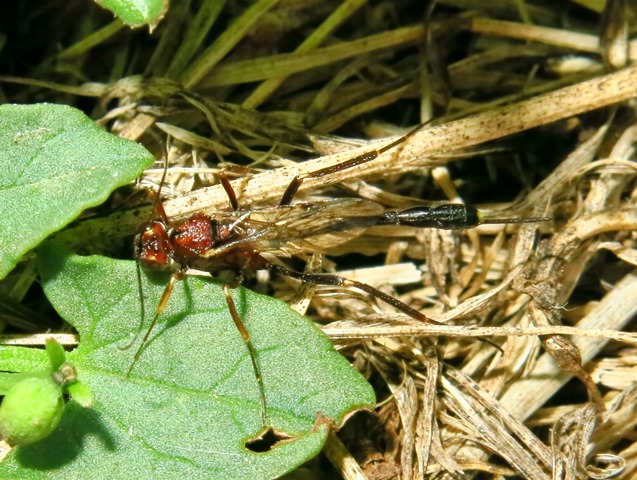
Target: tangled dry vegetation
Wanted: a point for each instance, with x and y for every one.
(533, 108)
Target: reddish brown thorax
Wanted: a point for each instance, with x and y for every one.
(194, 236)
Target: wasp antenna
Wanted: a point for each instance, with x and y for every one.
(142, 311)
(157, 205)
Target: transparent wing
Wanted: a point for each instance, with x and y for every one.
(302, 227)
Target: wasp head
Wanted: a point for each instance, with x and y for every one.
(154, 248)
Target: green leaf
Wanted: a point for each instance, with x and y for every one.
(137, 13)
(23, 359)
(192, 400)
(55, 163)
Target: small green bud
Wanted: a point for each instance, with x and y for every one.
(31, 410)
(55, 352)
(65, 375)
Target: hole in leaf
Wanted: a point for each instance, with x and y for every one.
(266, 441)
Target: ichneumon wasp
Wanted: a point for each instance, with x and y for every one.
(257, 238)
